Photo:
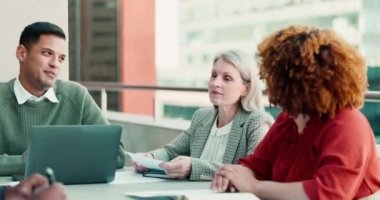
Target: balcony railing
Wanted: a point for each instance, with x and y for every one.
(103, 87)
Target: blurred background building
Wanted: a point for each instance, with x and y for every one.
(93, 44)
(118, 41)
(206, 27)
(114, 41)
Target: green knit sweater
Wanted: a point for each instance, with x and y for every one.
(75, 107)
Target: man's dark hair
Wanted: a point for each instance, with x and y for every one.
(31, 33)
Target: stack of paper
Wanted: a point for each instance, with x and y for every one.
(149, 163)
(152, 164)
(204, 194)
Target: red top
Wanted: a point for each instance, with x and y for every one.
(334, 158)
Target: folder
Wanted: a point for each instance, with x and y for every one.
(156, 173)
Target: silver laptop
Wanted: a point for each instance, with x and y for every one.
(78, 154)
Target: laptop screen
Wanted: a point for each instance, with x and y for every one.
(78, 154)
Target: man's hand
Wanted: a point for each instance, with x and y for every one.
(36, 187)
(54, 192)
(25, 189)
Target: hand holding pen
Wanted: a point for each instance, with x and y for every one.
(50, 175)
(55, 191)
(36, 187)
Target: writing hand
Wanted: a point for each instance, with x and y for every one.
(54, 192)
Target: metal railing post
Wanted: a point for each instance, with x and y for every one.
(103, 99)
(372, 96)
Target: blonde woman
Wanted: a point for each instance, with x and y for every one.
(229, 130)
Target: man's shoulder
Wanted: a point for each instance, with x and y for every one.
(62, 86)
(70, 90)
(7, 84)
(5, 87)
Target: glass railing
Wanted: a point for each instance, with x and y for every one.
(170, 98)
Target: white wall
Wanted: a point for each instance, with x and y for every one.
(14, 16)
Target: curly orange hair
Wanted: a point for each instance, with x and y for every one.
(312, 71)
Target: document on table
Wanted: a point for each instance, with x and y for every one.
(200, 194)
(150, 163)
(126, 177)
(12, 183)
(168, 193)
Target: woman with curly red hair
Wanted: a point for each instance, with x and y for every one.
(321, 146)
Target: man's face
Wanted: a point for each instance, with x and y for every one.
(40, 63)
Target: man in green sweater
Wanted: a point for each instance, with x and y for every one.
(36, 97)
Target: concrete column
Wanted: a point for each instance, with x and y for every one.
(15, 15)
(137, 56)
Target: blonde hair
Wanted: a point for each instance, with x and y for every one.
(249, 73)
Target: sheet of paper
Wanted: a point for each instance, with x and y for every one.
(169, 193)
(201, 194)
(126, 177)
(222, 196)
(144, 161)
(13, 183)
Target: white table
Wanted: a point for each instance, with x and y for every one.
(136, 183)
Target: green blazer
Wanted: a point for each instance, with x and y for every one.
(248, 128)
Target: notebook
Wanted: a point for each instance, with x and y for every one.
(156, 173)
(78, 154)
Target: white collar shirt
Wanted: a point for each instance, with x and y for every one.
(22, 95)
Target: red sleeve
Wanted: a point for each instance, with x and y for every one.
(344, 147)
(260, 161)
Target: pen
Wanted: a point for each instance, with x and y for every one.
(50, 175)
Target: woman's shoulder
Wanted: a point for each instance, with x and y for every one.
(349, 119)
(260, 116)
(203, 116)
(349, 114)
(204, 112)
